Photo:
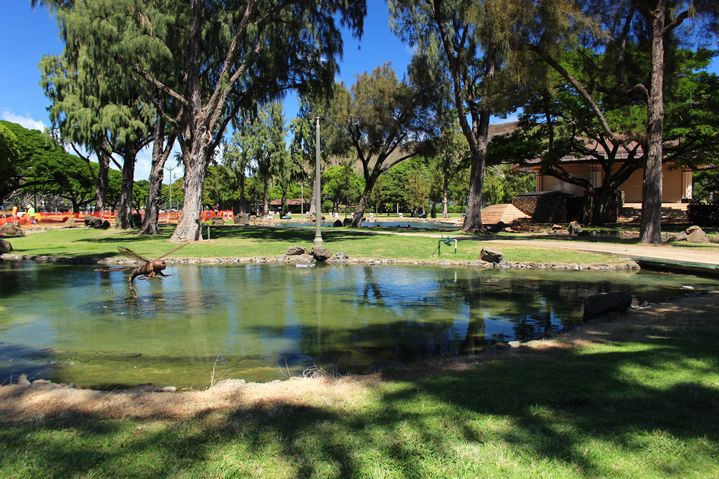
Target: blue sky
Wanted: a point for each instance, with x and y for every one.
(27, 34)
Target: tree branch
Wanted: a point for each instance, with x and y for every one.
(159, 85)
(676, 22)
(579, 87)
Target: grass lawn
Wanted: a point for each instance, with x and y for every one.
(640, 402)
(232, 241)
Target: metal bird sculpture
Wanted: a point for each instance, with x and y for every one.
(150, 268)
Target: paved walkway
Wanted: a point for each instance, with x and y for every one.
(698, 254)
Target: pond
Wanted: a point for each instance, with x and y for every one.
(77, 325)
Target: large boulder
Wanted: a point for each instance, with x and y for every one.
(5, 246)
(490, 255)
(574, 228)
(217, 222)
(696, 235)
(295, 251)
(321, 253)
(94, 222)
(601, 303)
(10, 230)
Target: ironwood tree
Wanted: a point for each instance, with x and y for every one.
(384, 121)
(225, 56)
(470, 42)
(663, 18)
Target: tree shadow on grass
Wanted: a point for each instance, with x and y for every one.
(649, 403)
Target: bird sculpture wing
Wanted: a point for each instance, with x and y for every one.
(171, 251)
(131, 254)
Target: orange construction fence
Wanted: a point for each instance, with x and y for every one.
(61, 217)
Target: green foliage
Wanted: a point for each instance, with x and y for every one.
(303, 131)
(706, 186)
(220, 188)
(8, 160)
(261, 144)
(502, 183)
(406, 185)
(177, 196)
(341, 185)
(140, 191)
(43, 166)
(380, 116)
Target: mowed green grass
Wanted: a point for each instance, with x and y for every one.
(641, 408)
(232, 241)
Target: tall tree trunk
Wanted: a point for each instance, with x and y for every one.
(652, 185)
(189, 228)
(445, 196)
(160, 153)
(243, 202)
(265, 196)
(605, 206)
(363, 201)
(473, 217)
(101, 186)
(124, 211)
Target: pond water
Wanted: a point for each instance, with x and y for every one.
(76, 324)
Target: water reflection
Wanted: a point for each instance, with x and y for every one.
(258, 321)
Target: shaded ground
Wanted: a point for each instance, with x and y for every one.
(629, 396)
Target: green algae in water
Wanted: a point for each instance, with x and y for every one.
(74, 324)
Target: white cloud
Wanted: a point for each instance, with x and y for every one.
(24, 121)
(144, 164)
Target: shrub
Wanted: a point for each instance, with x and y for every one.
(703, 214)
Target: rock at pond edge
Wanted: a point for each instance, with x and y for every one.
(5, 246)
(321, 253)
(295, 250)
(598, 304)
(491, 255)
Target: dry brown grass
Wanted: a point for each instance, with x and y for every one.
(36, 403)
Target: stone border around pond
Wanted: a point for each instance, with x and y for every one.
(627, 265)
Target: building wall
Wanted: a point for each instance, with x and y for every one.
(676, 183)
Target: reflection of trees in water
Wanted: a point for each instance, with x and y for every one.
(16, 278)
(529, 304)
(390, 322)
(371, 284)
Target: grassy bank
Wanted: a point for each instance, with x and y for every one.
(256, 241)
(637, 398)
